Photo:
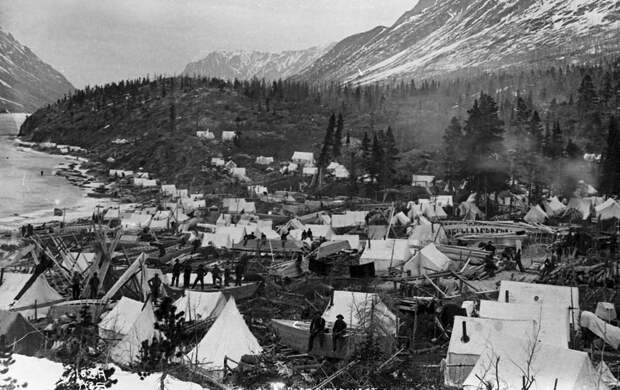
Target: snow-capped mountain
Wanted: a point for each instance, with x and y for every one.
(244, 65)
(439, 38)
(26, 82)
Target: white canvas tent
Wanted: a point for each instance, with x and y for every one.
(428, 259)
(579, 204)
(385, 254)
(433, 211)
(353, 239)
(218, 240)
(563, 297)
(361, 310)
(229, 336)
(553, 206)
(608, 210)
(200, 305)
(40, 291)
(236, 233)
(552, 320)
(463, 352)
(116, 323)
(469, 211)
(535, 215)
(427, 233)
(549, 366)
(127, 351)
(303, 158)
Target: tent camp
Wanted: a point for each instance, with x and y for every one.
(549, 367)
(553, 206)
(229, 336)
(428, 259)
(317, 231)
(608, 210)
(200, 305)
(78, 261)
(217, 240)
(40, 292)
(360, 310)
(235, 233)
(427, 233)
(228, 135)
(20, 333)
(127, 351)
(116, 323)
(552, 320)
(463, 352)
(470, 212)
(385, 254)
(401, 218)
(135, 221)
(169, 189)
(535, 215)
(579, 204)
(303, 158)
(442, 200)
(542, 294)
(349, 219)
(433, 211)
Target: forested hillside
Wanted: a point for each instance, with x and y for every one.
(160, 117)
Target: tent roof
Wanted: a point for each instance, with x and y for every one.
(127, 350)
(39, 291)
(553, 206)
(18, 330)
(553, 320)
(608, 210)
(122, 317)
(353, 239)
(572, 369)
(386, 252)
(427, 233)
(581, 205)
(228, 336)
(200, 305)
(545, 294)
(356, 308)
(428, 259)
(535, 215)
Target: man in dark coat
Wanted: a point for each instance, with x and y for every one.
(217, 275)
(75, 285)
(338, 332)
(317, 328)
(200, 277)
(518, 261)
(238, 273)
(176, 273)
(155, 284)
(227, 276)
(93, 284)
(187, 274)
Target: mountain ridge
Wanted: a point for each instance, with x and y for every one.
(26, 81)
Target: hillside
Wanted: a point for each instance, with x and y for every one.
(26, 82)
(242, 65)
(450, 38)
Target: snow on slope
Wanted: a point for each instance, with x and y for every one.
(440, 37)
(26, 82)
(246, 65)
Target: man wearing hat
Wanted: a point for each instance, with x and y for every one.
(338, 332)
(317, 328)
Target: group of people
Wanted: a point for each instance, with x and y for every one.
(93, 285)
(318, 330)
(27, 230)
(201, 271)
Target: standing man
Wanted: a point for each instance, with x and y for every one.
(338, 332)
(238, 273)
(317, 328)
(93, 284)
(176, 273)
(200, 277)
(217, 275)
(155, 284)
(518, 261)
(283, 238)
(227, 275)
(187, 274)
(75, 285)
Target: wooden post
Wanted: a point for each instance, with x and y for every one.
(1, 276)
(465, 338)
(415, 328)
(35, 309)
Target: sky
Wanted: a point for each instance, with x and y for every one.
(95, 41)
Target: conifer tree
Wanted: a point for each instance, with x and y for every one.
(610, 173)
(377, 158)
(453, 156)
(390, 153)
(326, 149)
(338, 136)
(586, 94)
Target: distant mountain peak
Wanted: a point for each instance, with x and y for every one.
(244, 65)
(440, 38)
(26, 82)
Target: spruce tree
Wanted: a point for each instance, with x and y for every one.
(366, 154)
(377, 157)
(390, 157)
(610, 172)
(555, 150)
(326, 150)
(453, 156)
(586, 94)
(338, 137)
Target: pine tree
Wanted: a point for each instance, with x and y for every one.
(536, 133)
(586, 94)
(377, 158)
(555, 149)
(338, 136)
(173, 117)
(573, 151)
(610, 172)
(453, 156)
(326, 150)
(390, 153)
(366, 154)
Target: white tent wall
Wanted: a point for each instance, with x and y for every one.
(40, 291)
(429, 259)
(545, 364)
(116, 323)
(200, 305)
(385, 254)
(127, 351)
(353, 239)
(535, 215)
(229, 336)
(425, 234)
(552, 321)
(608, 210)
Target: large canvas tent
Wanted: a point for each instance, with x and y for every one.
(535, 215)
(470, 212)
(579, 204)
(229, 336)
(428, 259)
(127, 351)
(427, 233)
(463, 352)
(553, 206)
(385, 253)
(39, 292)
(200, 305)
(20, 334)
(353, 239)
(608, 210)
(361, 310)
(552, 322)
(116, 323)
(549, 367)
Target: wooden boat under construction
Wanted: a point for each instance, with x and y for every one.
(296, 335)
(245, 291)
